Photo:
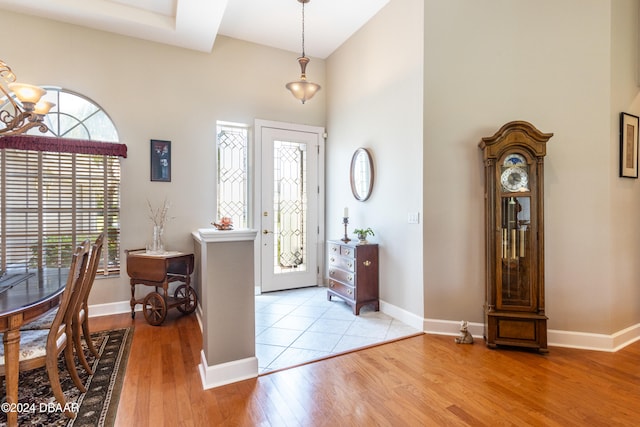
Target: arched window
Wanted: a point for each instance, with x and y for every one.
(77, 117)
(61, 188)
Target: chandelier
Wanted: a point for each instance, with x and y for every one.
(303, 89)
(29, 112)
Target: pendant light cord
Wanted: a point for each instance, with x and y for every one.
(303, 28)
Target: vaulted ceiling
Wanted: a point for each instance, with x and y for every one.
(194, 24)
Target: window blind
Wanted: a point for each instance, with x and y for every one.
(52, 201)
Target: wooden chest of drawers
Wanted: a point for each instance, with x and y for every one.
(353, 274)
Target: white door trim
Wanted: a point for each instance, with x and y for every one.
(258, 126)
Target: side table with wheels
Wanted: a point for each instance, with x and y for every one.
(158, 270)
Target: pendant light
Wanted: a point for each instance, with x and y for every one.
(303, 89)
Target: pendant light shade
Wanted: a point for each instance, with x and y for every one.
(302, 89)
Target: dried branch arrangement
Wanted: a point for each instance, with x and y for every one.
(159, 216)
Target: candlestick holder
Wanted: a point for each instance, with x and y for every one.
(345, 221)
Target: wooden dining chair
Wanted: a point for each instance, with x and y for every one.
(40, 348)
(79, 320)
(79, 312)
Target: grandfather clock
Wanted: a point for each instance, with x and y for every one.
(514, 223)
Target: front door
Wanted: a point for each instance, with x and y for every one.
(290, 204)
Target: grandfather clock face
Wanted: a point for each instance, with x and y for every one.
(514, 217)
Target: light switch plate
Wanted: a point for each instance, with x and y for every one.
(413, 218)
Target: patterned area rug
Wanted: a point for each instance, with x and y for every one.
(96, 407)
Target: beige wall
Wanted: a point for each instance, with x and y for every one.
(550, 63)
(420, 84)
(567, 67)
(624, 282)
(374, 100)
(153, 91)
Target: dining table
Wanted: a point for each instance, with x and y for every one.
(24, 296)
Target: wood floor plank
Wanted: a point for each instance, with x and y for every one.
(425, 380)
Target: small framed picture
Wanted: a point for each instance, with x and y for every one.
(629, 145)
(160, 160)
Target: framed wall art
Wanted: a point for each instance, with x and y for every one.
(160, 160)
(629, 145)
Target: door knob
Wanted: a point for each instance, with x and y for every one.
(266, 232)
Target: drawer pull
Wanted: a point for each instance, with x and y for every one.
(350, 291)
(347, 251)
(331, 272)
(334, 249)
(333, 259)
(331, 285)
(350, 278)
(367, 263)
(349, 264)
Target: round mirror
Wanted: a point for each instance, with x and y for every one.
(361, 175)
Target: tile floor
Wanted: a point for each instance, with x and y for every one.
(301, 325)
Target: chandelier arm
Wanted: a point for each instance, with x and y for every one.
(16, 121)
(11, 121)
(6, 73)
(16, 108)
(19, 121)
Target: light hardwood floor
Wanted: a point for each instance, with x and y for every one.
(421, 381)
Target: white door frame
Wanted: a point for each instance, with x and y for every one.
(258, 126)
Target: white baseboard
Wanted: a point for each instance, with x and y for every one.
(590, 341)
(402, 315)
(226, 373)
(451, 327)
(97, 310)
(199, 317)
(108, 309)
(555, 338)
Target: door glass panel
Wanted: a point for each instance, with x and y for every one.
(516, 251)
(290, 206)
